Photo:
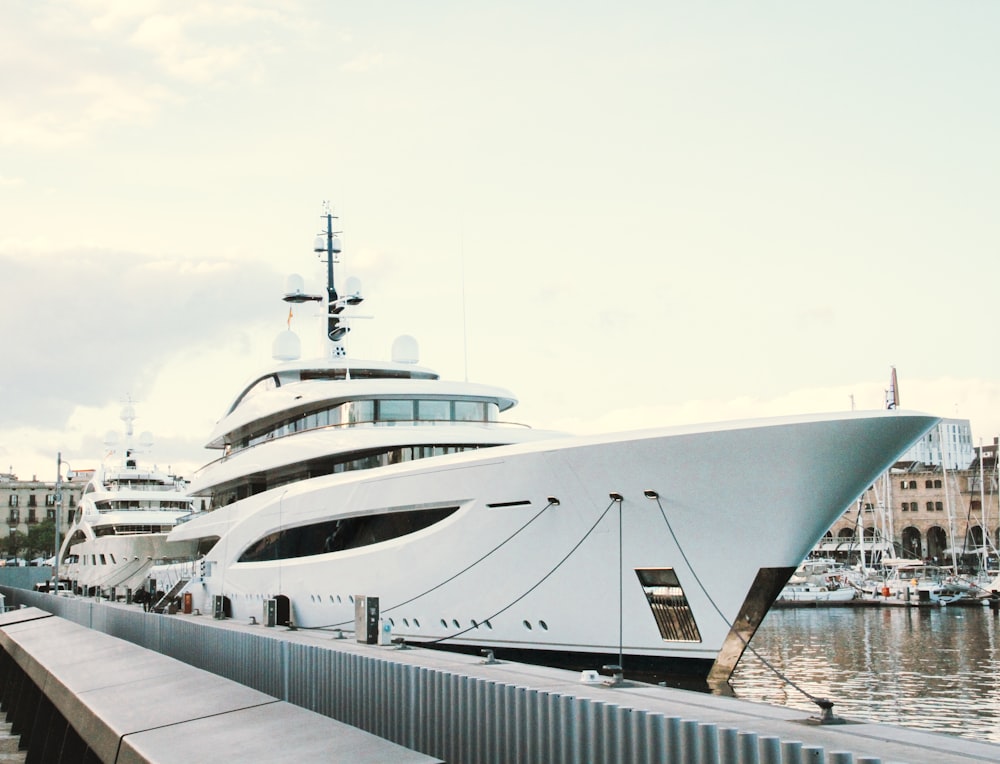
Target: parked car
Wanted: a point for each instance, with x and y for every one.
(46, 586)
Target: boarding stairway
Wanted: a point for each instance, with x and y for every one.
(161, 605)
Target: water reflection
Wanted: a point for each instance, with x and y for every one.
(931, 669)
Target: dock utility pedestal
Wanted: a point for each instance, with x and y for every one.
(366, 622)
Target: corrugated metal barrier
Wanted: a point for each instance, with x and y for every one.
(447, 715)
(75, 695)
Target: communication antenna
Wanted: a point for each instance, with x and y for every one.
(465, 318)
(327, 244)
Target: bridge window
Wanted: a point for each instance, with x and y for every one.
(360, 411)
(395, 411)
(434, 411)
(381, 410)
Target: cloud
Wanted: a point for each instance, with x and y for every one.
(365, 62)
(976, 400)
(82, 67)
(86, 327)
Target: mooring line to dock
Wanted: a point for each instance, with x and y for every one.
(552, 502)
(534, 586)
(825, 705)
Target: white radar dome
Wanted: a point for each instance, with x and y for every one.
(294, 285)
(405, 349)
(352, 285)
(286, 346)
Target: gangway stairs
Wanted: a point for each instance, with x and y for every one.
(161, 604)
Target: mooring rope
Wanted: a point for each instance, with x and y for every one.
(823, 703)
(529, 591)
(451, 578)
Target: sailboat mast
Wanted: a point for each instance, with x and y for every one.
(982, 510)
(948, 507)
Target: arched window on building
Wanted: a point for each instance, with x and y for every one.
(974, 539)
(912, 543)
(937, 542)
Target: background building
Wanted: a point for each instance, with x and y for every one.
(26, 504)
(940, 501)
(948, 445)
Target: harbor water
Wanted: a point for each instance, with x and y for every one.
(925, 668)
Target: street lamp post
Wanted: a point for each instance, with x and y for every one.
(59, 510)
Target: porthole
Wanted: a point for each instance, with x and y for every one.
(543, 626)
(350, 598)
(488, 624)
(444, 624)
(474, 624)
(416, 623)
(527, 625)
(406, 623)
(392, 622)
(455, 623)
(338, 599)
(332, 600)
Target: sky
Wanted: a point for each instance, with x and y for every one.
(631, 214)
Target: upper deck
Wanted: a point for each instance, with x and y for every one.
(297, 396)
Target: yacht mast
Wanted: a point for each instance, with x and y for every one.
(327, 244)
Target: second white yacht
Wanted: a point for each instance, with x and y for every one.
(120, 526)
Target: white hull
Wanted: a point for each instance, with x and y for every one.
(731, 505)
(816, 595)
(127, 561)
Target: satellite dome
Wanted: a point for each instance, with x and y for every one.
(294, 285)
(286, 346)
(405, 349)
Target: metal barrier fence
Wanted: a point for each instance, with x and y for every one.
(122, 708)
(447, 715)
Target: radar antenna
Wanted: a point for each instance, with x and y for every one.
(327, 244)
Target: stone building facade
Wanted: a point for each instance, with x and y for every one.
(25, 503)
(928, 512)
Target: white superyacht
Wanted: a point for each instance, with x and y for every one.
(119, 528)
(654, 553)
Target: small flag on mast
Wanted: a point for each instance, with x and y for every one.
(892, 395)
(289, 318)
